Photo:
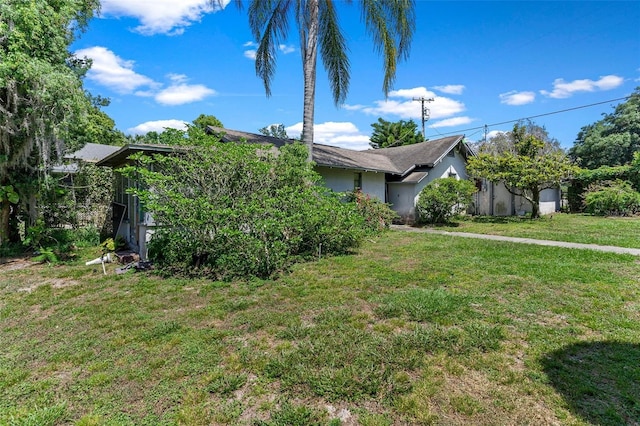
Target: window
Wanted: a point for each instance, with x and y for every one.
(357, 181)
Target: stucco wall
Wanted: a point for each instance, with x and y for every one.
(506, 204)
(341, 180)
(402, 200)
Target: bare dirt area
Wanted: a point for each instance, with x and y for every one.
(14, 264)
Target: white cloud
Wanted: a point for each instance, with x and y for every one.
(250, 54)
(111, 71)
(563, 89)
(409, 108)
(416, 92)
(494, 133)
(452, 122)
(157, 126)
(179, 92)
(451, 89)
(286, 48)
(517, 98)
(161, 16)
(117, 74)
(340, 134)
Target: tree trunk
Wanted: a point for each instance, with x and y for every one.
(5, 213)
(535, 203)
(309, 59)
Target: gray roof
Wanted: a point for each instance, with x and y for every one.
(120, 156)
(92, 152)
(396, 160)
(228, 135)
(401, 160)
(370, 160)
(429, 153)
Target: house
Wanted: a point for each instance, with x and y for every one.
(394, 175)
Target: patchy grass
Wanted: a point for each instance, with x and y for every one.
(414, 329)
(575, 228)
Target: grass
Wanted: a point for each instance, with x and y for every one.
(575, 228)
(413, 329)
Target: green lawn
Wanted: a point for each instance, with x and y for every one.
(575, 228)
(413, 329)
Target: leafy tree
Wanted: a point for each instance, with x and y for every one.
(97, 127)
(611, 141)
(40, 91)
(390, 22)
(525, 160)
(443, 199)
(386, 133)
(275, 130)
(612, 198)
(204, 120)
(230, 209)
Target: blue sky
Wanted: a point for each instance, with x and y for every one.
(163, 63)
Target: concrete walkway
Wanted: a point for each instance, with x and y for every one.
(610, 249)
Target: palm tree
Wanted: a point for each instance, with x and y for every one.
(389, 22)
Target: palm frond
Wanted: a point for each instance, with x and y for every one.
(334, 51)
(391, 24)
(269, 23)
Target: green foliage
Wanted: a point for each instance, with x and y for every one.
(444, 198)
(9, 194)
(275, 130)
(111, 245)
(587, 177)
(378, 215)
(228, 210)
(525, 160)
(615, 198)
(53, 245)
(41, 93)
(387, 134)
(611, 141)
(204, 120)
(78, 200)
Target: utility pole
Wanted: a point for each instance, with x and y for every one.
(425, 112)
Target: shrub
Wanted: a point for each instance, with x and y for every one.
(377, 215)
(443, 199)
(616, 198)
(239, 210)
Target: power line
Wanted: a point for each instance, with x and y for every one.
(485, 126)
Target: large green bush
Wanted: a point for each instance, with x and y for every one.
(587, 178)
(617, 198)
(230, 210)
(443, 199)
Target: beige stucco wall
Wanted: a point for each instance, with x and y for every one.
(341, 180)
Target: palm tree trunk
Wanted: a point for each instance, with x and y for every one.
(309, 49)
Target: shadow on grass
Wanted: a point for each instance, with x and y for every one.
(600, 381)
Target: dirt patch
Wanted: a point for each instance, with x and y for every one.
(488, 402)
(16, 264)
